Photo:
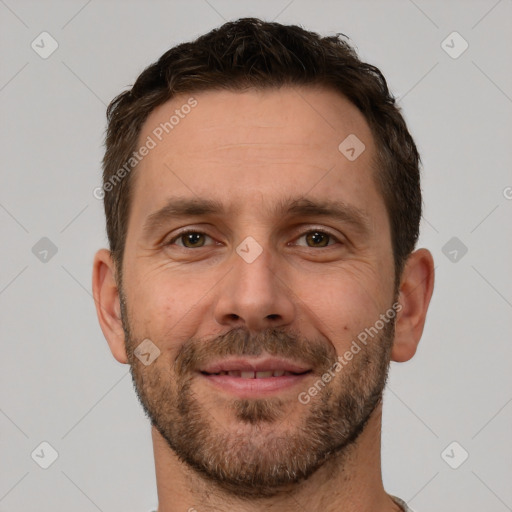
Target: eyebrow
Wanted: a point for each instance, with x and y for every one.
(181, 208)
(177, 208)
(336, 210)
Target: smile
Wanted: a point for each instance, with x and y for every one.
(249, 384)
(255, 375)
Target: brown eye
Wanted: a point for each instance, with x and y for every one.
(193, 239)
(317, 239)
(190, 240)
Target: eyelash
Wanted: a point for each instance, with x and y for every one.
(197, 232)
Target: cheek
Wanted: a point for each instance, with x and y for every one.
(344, 304)
(170, 307)
(156, 305)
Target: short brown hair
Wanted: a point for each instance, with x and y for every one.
(251, 53)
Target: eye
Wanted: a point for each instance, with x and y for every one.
(190, 239)
(317, 238)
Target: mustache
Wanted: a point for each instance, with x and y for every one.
(319, 354)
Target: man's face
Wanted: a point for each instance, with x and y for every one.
(274, 255)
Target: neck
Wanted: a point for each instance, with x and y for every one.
(350, 481)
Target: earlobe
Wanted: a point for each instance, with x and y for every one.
(107, 302)
(416, 287)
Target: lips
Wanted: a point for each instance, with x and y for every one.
(246, 368)
(254, 386)
(255, 375)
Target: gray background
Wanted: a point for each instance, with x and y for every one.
(59, 382)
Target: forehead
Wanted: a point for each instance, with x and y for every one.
(255, 146)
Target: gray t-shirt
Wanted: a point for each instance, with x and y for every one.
(395, 499)
(401, 503)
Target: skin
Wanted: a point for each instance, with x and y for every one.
(251, 151)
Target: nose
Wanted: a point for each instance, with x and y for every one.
(254, 295)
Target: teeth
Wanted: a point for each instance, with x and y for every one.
(255, 375)
(264, 375)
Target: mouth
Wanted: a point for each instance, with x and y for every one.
(254, 377)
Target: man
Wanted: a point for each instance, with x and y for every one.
(263, 202)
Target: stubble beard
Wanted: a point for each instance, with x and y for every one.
(259, 454)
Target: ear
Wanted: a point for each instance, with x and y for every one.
(416, 287)
(108, 307)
